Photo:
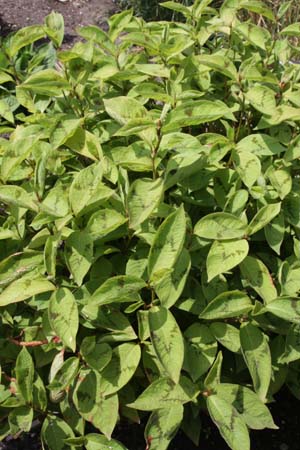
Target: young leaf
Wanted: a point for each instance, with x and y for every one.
(224, 256)
(227, 304)
(63, 316)
(55, 27)
(256, 352)
(220, 226)
(167, 244)
(230, 424)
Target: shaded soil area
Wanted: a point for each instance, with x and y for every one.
(285, 412)
(15, 14)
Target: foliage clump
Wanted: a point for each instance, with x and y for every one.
(149, 226)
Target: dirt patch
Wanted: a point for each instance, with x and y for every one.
(15, 14)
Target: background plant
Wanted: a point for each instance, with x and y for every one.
(150, 217)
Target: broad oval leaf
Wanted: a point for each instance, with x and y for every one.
(220, 226)
(92, 405)
(55, 431)
(230, 424)
(79, 255)
(46, 82)
(25, 374)
(167, 244)
(97, 355)
(167, 340)
(252, 410)
(143, 197)
(162, 426)
(23, 289)
(227, 304)
(163, 393)
(258, 277)
(286, 308)
(63, 316)
(264, 216)
(248, 167)
(124, 362)
(257, 355)
(227, 335)
(224, 256)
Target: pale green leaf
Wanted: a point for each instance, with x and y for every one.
(224, 256)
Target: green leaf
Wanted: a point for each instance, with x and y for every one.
(227, 304)
(219, 63)
(168, 243)
(50, 253)
(17, 196)
(79, 255)
(274, 232)
(24, 288)
(25, 374)
(292, 345)
(262, 98)
(87, 190)
(200, 350)
(97, 442)
(54, 432)
(258, 277)
(194, 113)
(258, 7)
(227, 335)
(20, 419)
(103, 222)
(5, 111)
(224, 256)
(163, 393)
(169, 287)
(119, 289)
(167, 341)
(247, 166)
(96, 355)
(257, 355)
(254, 34)
(122, 109)
(252, 410)
(55, 27)
(46, 82)
(292, 30)
(162, 426)
(281, 180)
(143, 198)
(93, 406)
(66, 129)
(260, 145)
(63, 316)
(220, 226)
(213, 378)
(121, 368)
(264, 216)
(231, 426)
(286, 308)
(23, 37)
(65, 374)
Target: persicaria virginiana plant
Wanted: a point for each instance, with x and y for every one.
(150, 225)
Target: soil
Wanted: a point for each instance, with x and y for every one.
(15, 14)
(285, 412)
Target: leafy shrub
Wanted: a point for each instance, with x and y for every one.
(152, 9)
(150, 227)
